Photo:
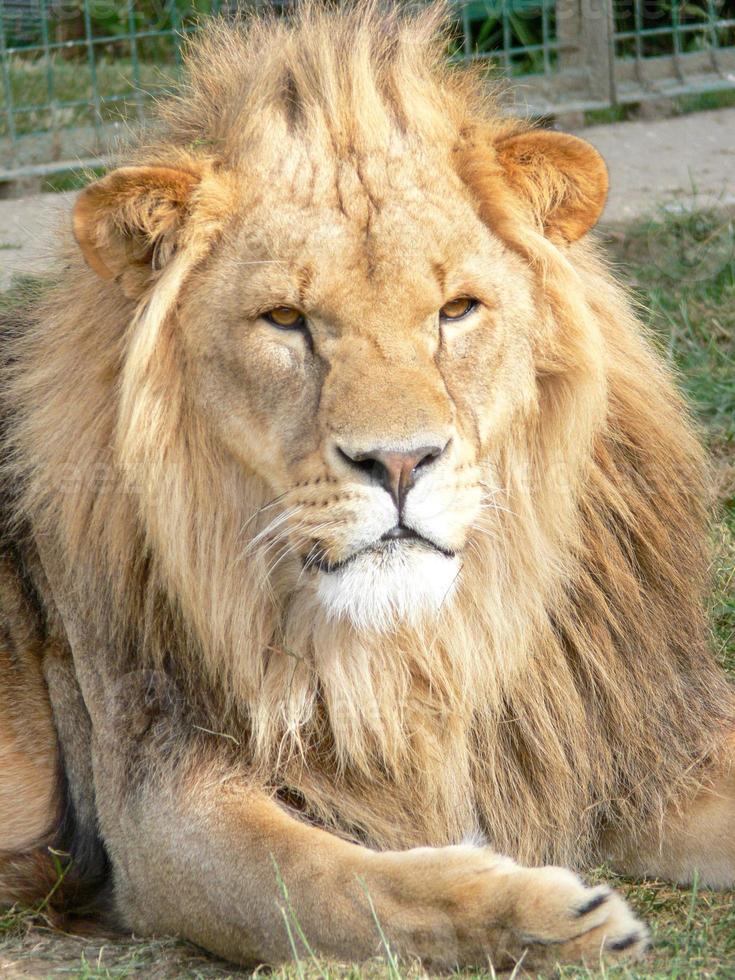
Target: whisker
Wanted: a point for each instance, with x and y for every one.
(289, 550)
(271, 503)
(487, 532)
(277, 522)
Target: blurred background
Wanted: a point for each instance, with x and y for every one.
(76, 73)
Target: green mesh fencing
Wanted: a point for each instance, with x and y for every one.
(77, 73)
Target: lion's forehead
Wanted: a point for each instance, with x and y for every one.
(324, 168)
(411, 240)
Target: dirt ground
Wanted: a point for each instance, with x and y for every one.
(652, 163)
(685, 159)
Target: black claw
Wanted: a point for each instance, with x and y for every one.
(594, 903)
(625, 943)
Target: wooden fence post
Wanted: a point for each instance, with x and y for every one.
(585, 30)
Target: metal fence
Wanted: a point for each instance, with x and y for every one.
(76, 73)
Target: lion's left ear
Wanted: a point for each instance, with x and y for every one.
(563, 178)
(127, 223)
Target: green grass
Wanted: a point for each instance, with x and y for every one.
(681, 105)
(682, 271)
(73, 81)
(70, 180)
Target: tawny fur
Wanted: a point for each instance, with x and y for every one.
(28, 752)
(568, 687)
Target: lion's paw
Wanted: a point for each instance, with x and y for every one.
(560, 918)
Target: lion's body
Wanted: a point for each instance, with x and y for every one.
(561, 702)
(27, 738)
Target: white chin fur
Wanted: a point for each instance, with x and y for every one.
(378, 590)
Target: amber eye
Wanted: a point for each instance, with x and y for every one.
(455, 309)
(285, 317)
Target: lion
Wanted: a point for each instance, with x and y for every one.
(354, 532)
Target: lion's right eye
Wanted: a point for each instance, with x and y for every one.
(285, 317)
(457, 308)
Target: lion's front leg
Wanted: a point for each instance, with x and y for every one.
(695, 839)
(208, 859)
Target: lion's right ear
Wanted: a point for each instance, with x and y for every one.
(563, 179)
(127, 223)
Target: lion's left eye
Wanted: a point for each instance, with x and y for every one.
(285, 317)
(457, 308)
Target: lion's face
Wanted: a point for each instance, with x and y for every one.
(361, 355)
(357, 336)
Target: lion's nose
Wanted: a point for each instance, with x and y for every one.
(394, 471)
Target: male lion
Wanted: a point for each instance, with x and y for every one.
(354, 532)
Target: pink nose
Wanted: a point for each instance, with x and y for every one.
(395, 471)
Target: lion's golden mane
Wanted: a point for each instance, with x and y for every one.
(554, 694)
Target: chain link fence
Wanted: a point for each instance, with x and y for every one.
(76, 73)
